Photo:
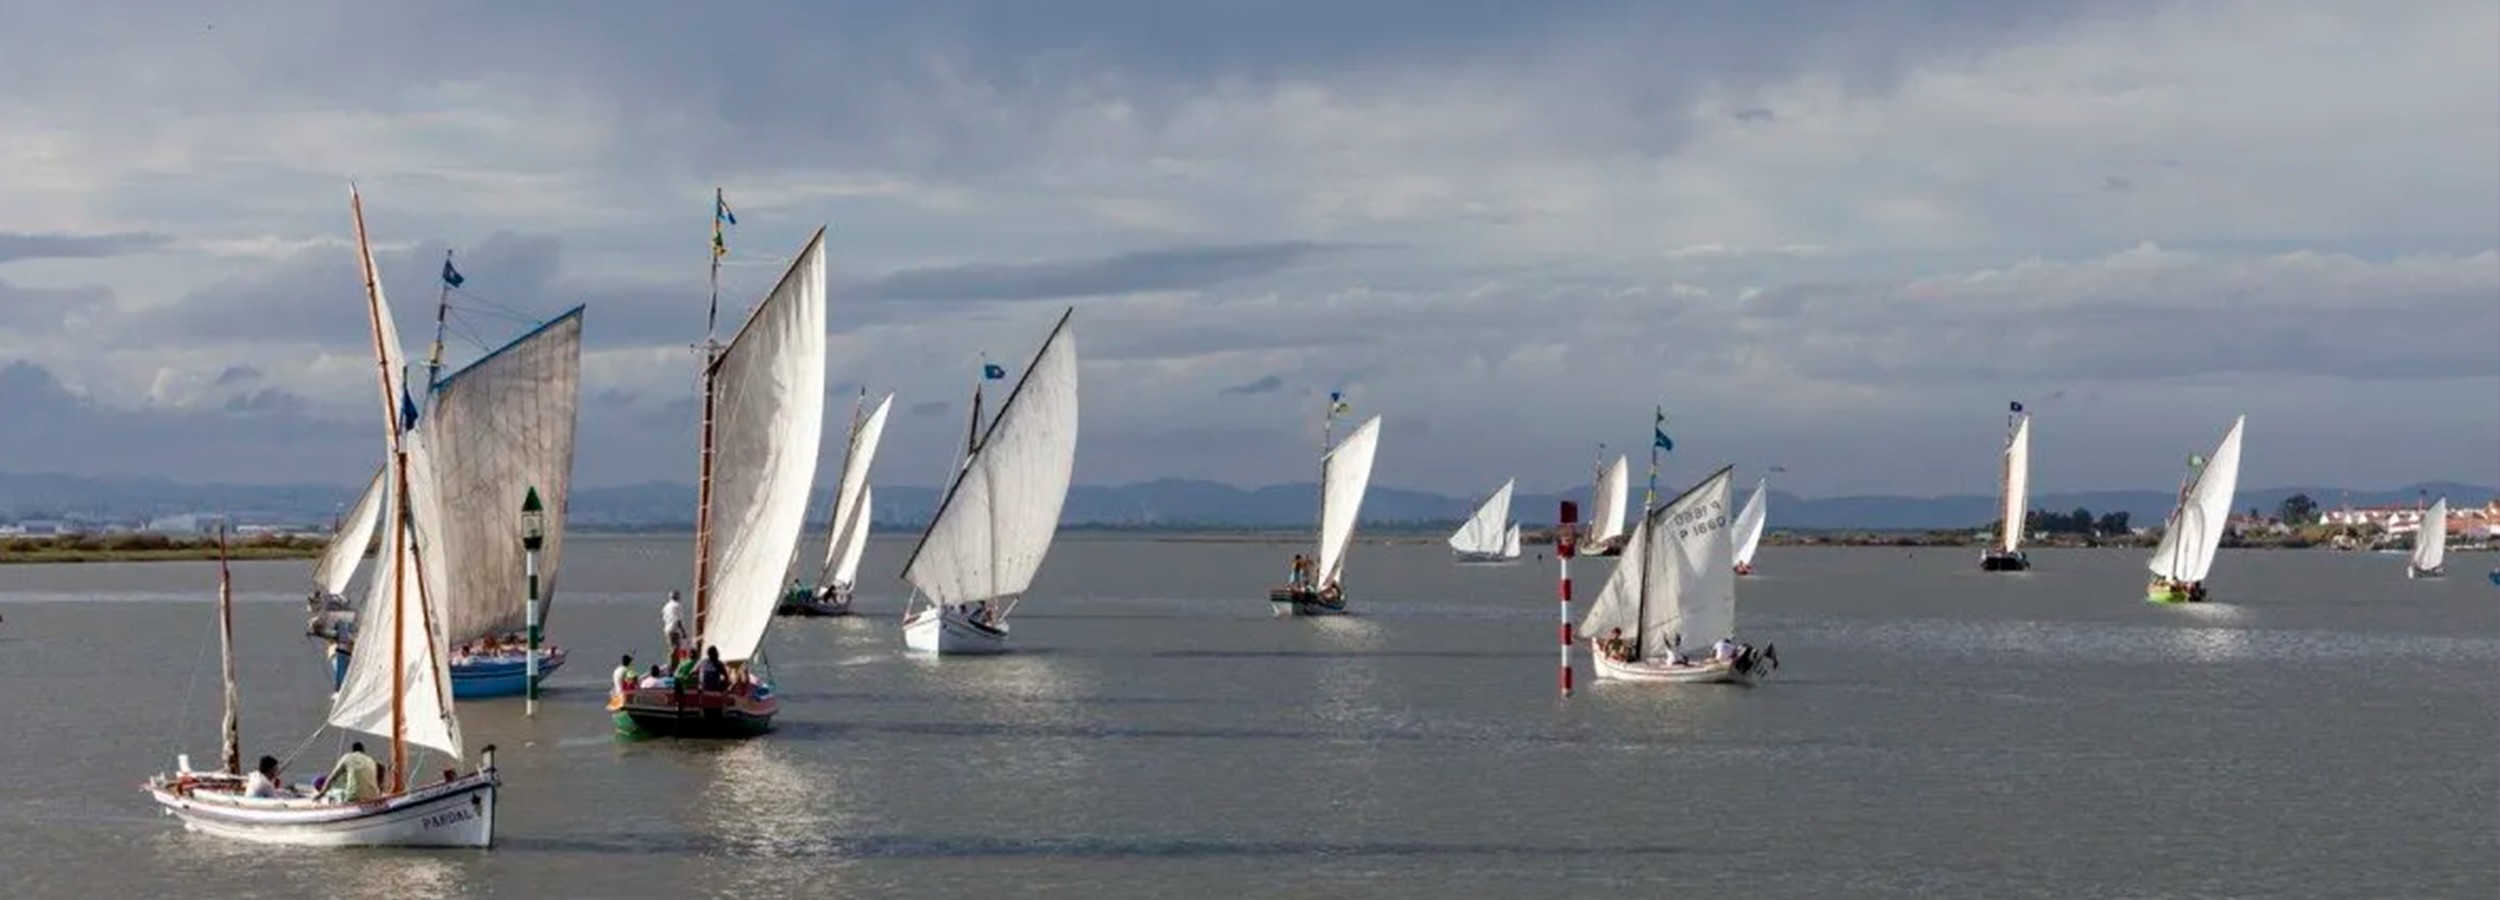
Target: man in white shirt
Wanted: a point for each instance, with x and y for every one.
(622, 679)
(673, 621)
(1724, 650)
(263, 783)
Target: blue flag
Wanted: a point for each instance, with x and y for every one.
(452, 276)
(720, 210)
(407, 409)
(2018, 406)
(1658, 433)
(993, 371)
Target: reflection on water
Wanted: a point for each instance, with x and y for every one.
(761, 804)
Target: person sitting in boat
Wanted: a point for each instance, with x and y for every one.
(1613, 646)
(656, 679)
(712, 676)
(1724, 650)
(356, 778)
(263, 783)
(2196, 592)
(673, 621)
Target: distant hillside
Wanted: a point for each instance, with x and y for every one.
(1168, 503)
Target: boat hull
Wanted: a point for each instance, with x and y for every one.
(2440, 572)
(456, 813)
(474, 678)
(2001, 561)
(670, 713)
(2160, 592)
(814, 605)
(1483, 559)
(945, 632)
(1291, 602)
(1713, 672)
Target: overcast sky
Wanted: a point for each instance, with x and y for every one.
(1829, 235)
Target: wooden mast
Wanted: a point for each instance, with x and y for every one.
(703, 467)
(232, 750)
(399, 523)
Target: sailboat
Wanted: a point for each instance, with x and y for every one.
(1677, 576)
(1345, 473)
(2013, 499)
(847, 542)
(763, 421)
(402, 696)
(2430, 544)
(1612, 504)
(994, 527)
(2193, 534)
(333, 616)
(1747, 532)
(496, 429)
(1489, 536)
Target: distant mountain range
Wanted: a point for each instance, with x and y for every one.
(1170, 503)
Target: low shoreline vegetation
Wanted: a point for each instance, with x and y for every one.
(137, 547)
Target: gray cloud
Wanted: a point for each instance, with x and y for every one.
(20, 245)
(1267, 384)
(1168, 269)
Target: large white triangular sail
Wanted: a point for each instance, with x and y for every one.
(346, 551)
(2014, 504)
(855, 545)
(768, 418)
(850, 500)
(2430, 543)
(396, 623)
(498, 428)
(1614, 498)
(2194, 534)
(1486, 531)
(1747, 532)
(1676, 578)
(995, 525)
(1345, 477)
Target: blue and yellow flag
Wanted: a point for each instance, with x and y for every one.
(1337, 405)
(1658, 433)
(720, 216)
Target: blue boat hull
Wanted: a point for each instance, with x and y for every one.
(474, 679)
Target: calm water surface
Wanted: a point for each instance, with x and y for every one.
(2326, 728)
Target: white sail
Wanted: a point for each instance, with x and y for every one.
(1510, 542)
(768, 419)
(850, 499)
(2194, 535)
(1485, 531)
(1676, 578)
(1346, 476)
(1614, 498)
(498, 428)
(2015, 510)
(2430, 543)
(346, 551)
(855, 543)
(995, 525)
(1618, 601)
(395, 623)
(423, 681)
(1749, 522)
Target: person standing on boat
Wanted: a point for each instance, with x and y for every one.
(673, 622)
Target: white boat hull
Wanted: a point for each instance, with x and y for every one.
(456, 813)
(945, 632)
(2418, 572)
(1712, 672)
